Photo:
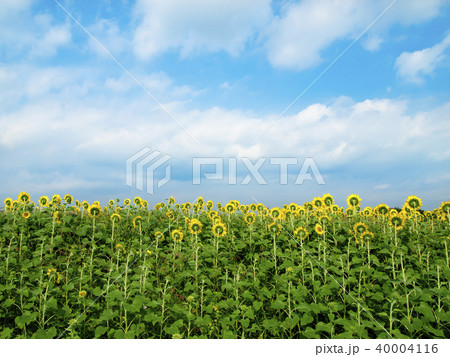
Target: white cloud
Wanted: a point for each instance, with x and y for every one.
(298, 37)
(22, 34)
(415, 66)
(197, 26)
(110, 36)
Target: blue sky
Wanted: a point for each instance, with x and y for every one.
(376, 122)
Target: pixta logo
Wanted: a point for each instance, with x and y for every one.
(141, 169)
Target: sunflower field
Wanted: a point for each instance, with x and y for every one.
(73, 269)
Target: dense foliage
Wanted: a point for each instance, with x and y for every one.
(79, 270)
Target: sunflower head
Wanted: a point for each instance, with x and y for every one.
(230, 207)
(249, 218)
(171, 200)
(219, 229)
(24, 197)
(115, 217)
(324, 220)
(397, 221)
(308, 206)
(43, 201)
(367, 211)
(360, 227)
(137, 221)
(353, 200)
(68, 199)
(301, 233)
(111, 203)
(317, 202)
(137, 201)
(145, 204)
(335, 208)
(382, 209)
(170, 215)
(177, 235)
(126, 201)
(253, 207)
(445, 207)
(274, 228)
(209, 204)
(276, 213)
(328, 200)
(85, 205)
(26, 215)
(94, 210)
(8, 202)
(159, 235)
(56, 199)
(195, 226)
(319, 229)
(413, 202)
(293, 207)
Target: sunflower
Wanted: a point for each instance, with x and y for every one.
(229, 207)
(209, 204)
(360, 227)
(137, 201)
(8, 202)
(219, 229)
(77, 203)
(24, 197)
(397, 221)
(366, 236)
(26, 215)
(85, 205)
(317, 202)
(195, 226)
(115, 217)
(177, 235)
(170, 215)
(249, 218)
(300, 210)
(276, 213)
(328, 200)
(367, 211)
(56, 199)
(350, 211)
(259, 207)
(308, 206)
(445, 207)
(253, 207)
(413, 202)
(324, 220)
(335, 208)
(111, 203)
(56, 217)
(94, 210)
(144, 203)
(43, 201)
(159, 235)
(200, 201)
(382, 209)
(82, 294)
(301, 233)
(293, 207)
(212, 214)
(274, 228)
(319, 230)
(353, 200)
(126, 201)
(68, 199)
(137, 221)
(171, 200)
